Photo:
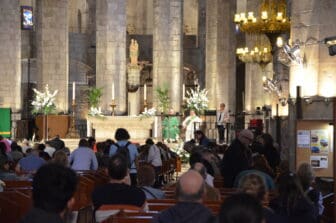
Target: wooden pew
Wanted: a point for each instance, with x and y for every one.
(9, 210)
(129, 219)
(23, 202)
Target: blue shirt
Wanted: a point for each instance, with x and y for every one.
(133, 151)
(83, 158)
(31, 163)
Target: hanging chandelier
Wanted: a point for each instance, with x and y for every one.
(272, 19)
(259, 51)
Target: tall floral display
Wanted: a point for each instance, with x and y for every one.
(44, 102)
(197, 100)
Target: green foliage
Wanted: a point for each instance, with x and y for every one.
(163, 97)
(94, 96)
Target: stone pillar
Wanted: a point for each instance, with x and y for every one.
(52, 48)
(10, 55)
(111, 53)
(220, 53)
(10, 59)
(167, 49)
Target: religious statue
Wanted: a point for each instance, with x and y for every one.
(171, 129)
(134, 52)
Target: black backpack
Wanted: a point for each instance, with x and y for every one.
(125, 152)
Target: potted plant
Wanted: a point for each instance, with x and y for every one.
(94, 95)
(163, 97)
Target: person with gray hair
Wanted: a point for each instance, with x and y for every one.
(306, 177)
(189, 208)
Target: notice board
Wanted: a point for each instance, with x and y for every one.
(314, 145)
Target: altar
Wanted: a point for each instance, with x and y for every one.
(139, 128)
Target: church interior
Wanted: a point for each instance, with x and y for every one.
(72, 69)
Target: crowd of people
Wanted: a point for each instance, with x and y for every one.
(251, 163)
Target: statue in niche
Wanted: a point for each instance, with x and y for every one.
(134, 52)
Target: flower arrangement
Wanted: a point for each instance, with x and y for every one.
(95, 111)
(197, 100)
(183, 154)
(44, 102)
(149, 113)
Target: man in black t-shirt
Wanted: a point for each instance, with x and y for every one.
(118, 191)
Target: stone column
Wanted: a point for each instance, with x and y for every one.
(111, 53)
(220, 53)
(52, 48)
(167, 49)
(10, 59)
(10, 55)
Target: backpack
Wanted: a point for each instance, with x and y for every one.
(125, 152)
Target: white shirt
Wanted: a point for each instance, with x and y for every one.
(222, 117)
(154, 156)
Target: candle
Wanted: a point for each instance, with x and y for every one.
(145, 92)
(183, 91)
(250, 16)
(113, 91)
(73, 90)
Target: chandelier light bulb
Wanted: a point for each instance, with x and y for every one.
(264, 15)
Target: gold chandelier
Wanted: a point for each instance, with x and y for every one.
(256, 55)
(258, 50)
(272, 18)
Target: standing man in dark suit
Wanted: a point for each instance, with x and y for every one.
(222, 117)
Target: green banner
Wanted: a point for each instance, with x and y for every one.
(5, 122)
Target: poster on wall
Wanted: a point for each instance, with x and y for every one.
(319, 161)
(303, 139)
(27, 17)
(319, 141)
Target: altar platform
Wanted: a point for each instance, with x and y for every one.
(139, 128)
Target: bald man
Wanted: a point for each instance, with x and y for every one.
(189, 191)
(237, 157)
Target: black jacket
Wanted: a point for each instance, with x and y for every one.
(185, 212)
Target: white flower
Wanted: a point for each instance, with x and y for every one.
(197, 99)
(95, 111)
(44, 101)
(149, 113)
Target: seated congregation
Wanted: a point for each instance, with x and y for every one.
(125, 182)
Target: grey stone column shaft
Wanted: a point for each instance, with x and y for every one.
(167, 49)
(10, 55)
(220, 53)
(111, 52)
(52, 48)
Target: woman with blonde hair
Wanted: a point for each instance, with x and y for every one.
(60, 157)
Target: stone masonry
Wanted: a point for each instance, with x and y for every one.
(220, 53)
(111, 52)
(10, 55)
(52, 49)
(167, 49)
